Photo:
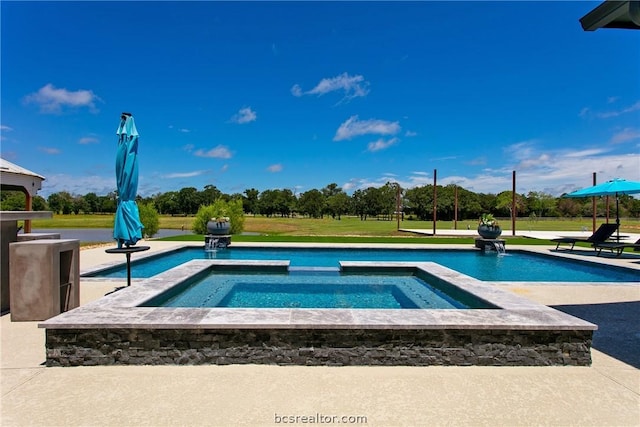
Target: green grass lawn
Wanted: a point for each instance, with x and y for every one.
(346, 230)
(347, 226)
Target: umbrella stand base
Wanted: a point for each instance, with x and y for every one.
(128, 251)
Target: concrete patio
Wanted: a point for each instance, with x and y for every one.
(605, 394)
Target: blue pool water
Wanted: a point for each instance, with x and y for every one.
(514, 266)
(310, 290)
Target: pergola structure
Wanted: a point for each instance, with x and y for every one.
(613, 14)
(16, 178)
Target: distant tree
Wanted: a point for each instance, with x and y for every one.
(61, 202)
(338, 204)
(79, 204)
(469, 206)
(504, 203)
(13, 201)
(540, 203)
(286, 202)
(250, 201)
(569, 207)
(281, 202)
(39, 203)
(388, 193)
(446, 202)
(311, 203)
(419, 201)
(209, 195)
(488, 203)
(188, 200)
(358, 204)
(331, 190)
(92, 203)
(167, 203)
(633, 207)
(267, 202)
(375, 201)
(108, 203)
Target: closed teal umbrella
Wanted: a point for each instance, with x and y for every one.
(127, 229)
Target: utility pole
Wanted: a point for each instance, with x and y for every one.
(435, 200)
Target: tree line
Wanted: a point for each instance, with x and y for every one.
(373, 202)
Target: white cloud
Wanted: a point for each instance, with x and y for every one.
(88, 140)
(584, 112)
(52, 100)
(585, 153)
(381, 144)
(219, 152)
(78, 184)
(554, 172)
(184, 174)
(520, 150)
(4, 128)
(245, 115)
(353, 127)
(296, 90)
(627, 134)
(275, 168)
(185, 130)
(541, 160)
(49, 150)
(630, 109)
(351, 86)
(410, 133)
(188, 147)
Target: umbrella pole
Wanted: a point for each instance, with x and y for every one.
(617, 219)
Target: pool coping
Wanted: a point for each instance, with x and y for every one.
(121, 309)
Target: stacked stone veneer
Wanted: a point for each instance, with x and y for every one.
(329, 347)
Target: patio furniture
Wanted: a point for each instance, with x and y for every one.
(616, 246)
(601, 235)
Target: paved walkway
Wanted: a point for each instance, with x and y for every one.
(605, 394)
(546, 235)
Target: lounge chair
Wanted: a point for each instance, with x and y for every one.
(604, 232)
(618, 247)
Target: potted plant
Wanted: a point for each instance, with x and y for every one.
(219, 225)
(488, 227)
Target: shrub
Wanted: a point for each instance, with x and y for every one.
(220, 208)
(149, 218)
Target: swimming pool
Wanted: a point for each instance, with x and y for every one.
(513, 266)
(120, 329)
(312, 289)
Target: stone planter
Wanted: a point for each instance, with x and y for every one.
(489, 232)
(218, 227)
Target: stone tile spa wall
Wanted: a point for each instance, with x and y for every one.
(408, 347)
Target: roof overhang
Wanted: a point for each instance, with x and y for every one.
(613, 14)
(14, 177)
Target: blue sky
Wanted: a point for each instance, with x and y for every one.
(299, 95)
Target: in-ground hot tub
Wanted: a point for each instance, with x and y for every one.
(122, 328)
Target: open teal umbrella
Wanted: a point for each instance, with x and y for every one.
(615, 187)
(127, 229)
